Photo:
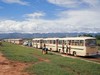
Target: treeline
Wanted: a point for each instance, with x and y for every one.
(98, 37)
(90, 35)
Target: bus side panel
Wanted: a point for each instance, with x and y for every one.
(51, 47)
(80, 50)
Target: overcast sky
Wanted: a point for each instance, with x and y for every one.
(47, 16)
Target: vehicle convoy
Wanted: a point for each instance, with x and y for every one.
(77, 46)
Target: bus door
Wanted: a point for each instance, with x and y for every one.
(63, 46)
(36, 43)
(40, 44)
(69, 47)
(57, 45)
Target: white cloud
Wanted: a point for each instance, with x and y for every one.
(93, 3)
(75, 3)
(7, 26)
(35, 15)
(86, 20)
(74, 21)
(81, 17)
(66, 3)
(16, 1)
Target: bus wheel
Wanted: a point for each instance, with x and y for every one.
(74, 53)
(59, 50)
(50, 49)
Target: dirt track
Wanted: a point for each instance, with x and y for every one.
(11, 67)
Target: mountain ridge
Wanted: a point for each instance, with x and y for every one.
(41, 35)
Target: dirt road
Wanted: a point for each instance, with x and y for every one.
(8, 67)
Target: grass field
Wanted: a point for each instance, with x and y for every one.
(48, 64)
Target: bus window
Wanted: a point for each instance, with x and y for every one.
(60, 41)
(63, 42)
(38, 41)
(54, 41)
(50, 41)
(72, 42)
(76, 42)
(45, 41)
(69, 41)
(81, 42)
(90, 42)
(66, 41)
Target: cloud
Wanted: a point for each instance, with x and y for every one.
(75, 3)
(80, 20)
(66, 3)
(35, 15)
(80, 16)
(16, 1)
(8, 26)
(93, 3)
(68, 21)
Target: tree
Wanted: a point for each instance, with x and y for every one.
(98, 37)
(88, 35)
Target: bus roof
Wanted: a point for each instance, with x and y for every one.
(66, 38)
(37, 39)
(77, 38)
(14, 39)
(51, 38)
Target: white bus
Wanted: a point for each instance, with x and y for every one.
(15, 41)
(81, 46)
(37, 43)
(51, 43)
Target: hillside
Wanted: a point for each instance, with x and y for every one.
(41, 35)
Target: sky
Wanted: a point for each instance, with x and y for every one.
(49, 16)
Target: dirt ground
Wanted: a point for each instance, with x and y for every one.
(8, 67)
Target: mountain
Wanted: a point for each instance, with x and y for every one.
(41, 35)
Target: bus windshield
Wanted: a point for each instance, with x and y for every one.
(90, 42)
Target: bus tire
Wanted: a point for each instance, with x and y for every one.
(59, 50)
(51, 49)
(74, 53)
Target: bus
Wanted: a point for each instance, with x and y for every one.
(37, 43)
(51, 43)
(14, 41)
(77, 46)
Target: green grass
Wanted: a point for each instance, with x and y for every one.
(56, 65)
(44, 68)
(98, 41)
(18, 53)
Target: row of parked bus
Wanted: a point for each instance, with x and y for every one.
(14, 41)
(81, 46)
(19, 41)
